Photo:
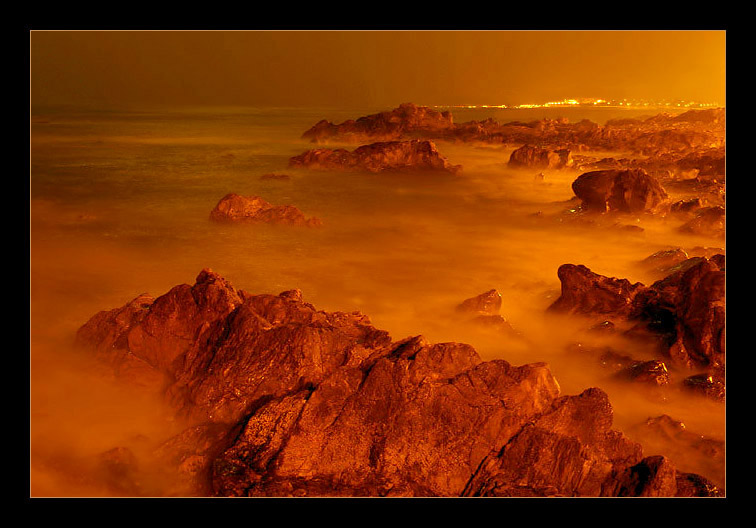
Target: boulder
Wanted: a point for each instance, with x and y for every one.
(529, 156)
(488, 303)
(286, 400)
(389, 156)
(586, 292)
(627, 191)
(253, 209)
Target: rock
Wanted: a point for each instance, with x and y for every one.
(687, 449)
(391, 156)
(711, 385)
(685, 311)
(288, 400)
(628, 191)
(488, 303)
(586, 292)
(540, 158)
(663, 261)
(653, 372)
(709, 221)
(405, 121)
(253, 209)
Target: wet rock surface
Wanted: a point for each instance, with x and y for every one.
(627, 191)
(684, 312)
(283, 399)
(253, 209)
(389, 156)
(529, 156)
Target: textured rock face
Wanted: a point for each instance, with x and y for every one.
(539, 158)
(586, 292)
(400, 156)
(629, 191)
(488, 303)
(253, 209)
(289, 400)
(686, 309)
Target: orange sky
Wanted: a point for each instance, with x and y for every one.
(371, 68)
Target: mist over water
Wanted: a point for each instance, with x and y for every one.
(119, 205)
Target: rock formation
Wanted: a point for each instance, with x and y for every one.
(529, 156)
(288, 400)
(253, 209)
(399, 156)
(629, 191)
(709, 221)
(685, 310)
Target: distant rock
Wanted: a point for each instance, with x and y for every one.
(253, 209)
(286, 400)
(407, 120)
(627, 191)
(393, 156)
(529, 156)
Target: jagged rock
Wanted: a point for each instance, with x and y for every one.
(253, 209)
(710, 385)
(709, 221)
(488, 303)
(405, 121)
(288, 400)
(540, 158)
(685, 310)
(654, 372)
(400, 156)
(665, 260)
(586, 292)
(629, 191)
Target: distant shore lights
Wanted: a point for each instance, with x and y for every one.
(590, 102)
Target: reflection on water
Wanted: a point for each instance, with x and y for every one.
(120, 203)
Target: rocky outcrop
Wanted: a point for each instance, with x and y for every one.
(627, 191)
(406, 121)
(253, 209)
(684, 312)
(288, 400)
(586, 292)
(532, 157)
(393, 156)
(488, 303)
(661, 135)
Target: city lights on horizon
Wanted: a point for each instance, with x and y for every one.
(591, 102)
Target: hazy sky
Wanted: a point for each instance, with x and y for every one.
(372, 68)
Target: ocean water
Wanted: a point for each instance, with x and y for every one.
(120, 203)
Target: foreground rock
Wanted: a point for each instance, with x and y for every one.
(529, 156)
(253, 209)
(284, 399)
(395, 156)
(627, 191)
(684, 312)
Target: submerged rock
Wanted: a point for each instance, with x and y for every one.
(394, 156)
(488, 303)
(289, 400)
(253, 209)
(709, 221)
(627, 191)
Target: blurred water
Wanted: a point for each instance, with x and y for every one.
(119, 205)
